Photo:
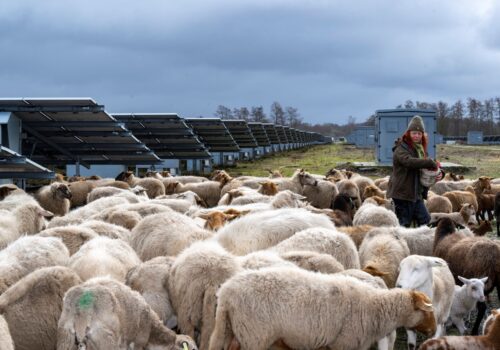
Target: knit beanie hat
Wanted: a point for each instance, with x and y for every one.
(416, 124)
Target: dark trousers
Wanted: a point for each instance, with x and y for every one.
(408, 211)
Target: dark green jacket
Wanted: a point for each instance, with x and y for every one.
(405, 178)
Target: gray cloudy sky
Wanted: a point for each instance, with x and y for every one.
(330, 59)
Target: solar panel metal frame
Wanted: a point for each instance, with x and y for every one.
(214, 134)
(16, 166)
(75, 131)
(280, 130)
(272, 133)
(288, 133)
(241, 133)
(259, 134)
(166, 134)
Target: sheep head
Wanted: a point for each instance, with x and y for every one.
(474, 287)
(483, 183)
(171, 187)
(268, 188)
(6, 190)
(125, 176)
(371, 191)
(217, 219)
(60, 190)
(416, 270)
(424, 320)
(222, 177)
(275, 174)
(307, 179)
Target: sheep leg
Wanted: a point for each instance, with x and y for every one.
(383, 344)
(392, 339)
(208, 317)
(412, 339)
(481, 310)
(460, 324)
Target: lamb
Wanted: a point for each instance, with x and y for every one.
(103, 256)
(322, 194)
(343, 210)
(351, 190)
(335, 175)
(489, 341)
(489, 321)
(165, 234)
(73, 237)
(431, 276)
(482, 228)
(362, 182)
(244, 235)
(55, 198)
(370, 214)
(28, 218)
(151, 280)
(105, 314)
(325, 241)
(465, 300)
(33, 305)
(154, 187)
(106, 229)
(28, 254)
(79, 192)
(459, 198)
(5, 338)
(438, 204)
(294, 292)
(208, 191)
(466, 215)
(381, 254)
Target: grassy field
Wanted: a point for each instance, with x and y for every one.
(319, 159)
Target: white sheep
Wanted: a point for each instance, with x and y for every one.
(154, 187)
(72, 236)
(323, 240)
(108, 191)
(33, 305)
(321, 195)
(380, 255)
(106, 229)
(27, 218)
(208, 191)
(433, 277)
(296, 182)
(55, 198)
(466, 216)
(261, 230)
(103, 256)
(370, 214)
(28, 254)
(105, 314)
(307, 310)
(465, 300)
(15, 199)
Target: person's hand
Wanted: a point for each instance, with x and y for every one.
(439, 177)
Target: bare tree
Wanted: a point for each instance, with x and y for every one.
(257, 114)
(277, 114)
(409, 104)
(292, 116)
(457, 113)
(223, 112)
(241, 113)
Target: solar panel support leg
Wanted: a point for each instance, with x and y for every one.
(77, 166)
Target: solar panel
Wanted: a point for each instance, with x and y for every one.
(259, 134)
(15, 166)
(271, 133)
(214, 134)
(75, 130)
(241, 133)
(281, 134)
(288, 133)
(166, 134)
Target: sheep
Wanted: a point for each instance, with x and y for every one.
(386, 203)
(381, 254)
(321, 195)
(382, 183)
(165, 234)
(150, 279)
(79, 192)
(28, 218)
(489, 321)
(262, 230)
(103, 256)
(208, 191)
(189, 196)
(217, 219)
(106, 229)
(466, 215)
(105, 314)
(178, 204)
(441, 187)
(27, 254)
(323, 240)
(7, 189)
(33, 305)
(79, 215)
(55, 198)
(497, 212)
(465, 300)
(268, 188)
(73, 237)
(112, 182)
(335, 175)
(362, 182)
(16, 198)
(433, 277)
(461, 253)
(313, 261)
(356, 233)
(297, 182)
(370, 214)
(5, 338)
(458, 198)
(190, 179)
(154, 187)
(489, 341)
(482, 228)
(351, 190)
(108, 191)
(343, 210)
(438, 204)
(373, 190)
(287, 301)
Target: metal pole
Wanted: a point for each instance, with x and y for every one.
(77, 166)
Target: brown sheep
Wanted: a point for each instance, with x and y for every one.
(351, 190)
(482, 228)
(357, 233)
(54, 198)
(268, 188)
(438, 204)
(216, 219)
(373, 190)
(79, 191)
(5, 190)
(154, 187)
(458, 198)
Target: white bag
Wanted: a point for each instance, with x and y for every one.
(428, 177)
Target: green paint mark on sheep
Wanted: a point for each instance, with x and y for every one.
(86, 300)
(185, 346)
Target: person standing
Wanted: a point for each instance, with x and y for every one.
(405, 189)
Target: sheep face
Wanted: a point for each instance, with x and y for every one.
(307, 179)
(5, 190)
(474, 287)
(125, 176)
(268, 188)
(215, 220)
(335, 175)
(275, 174)
(171, 187)
(371, 191)
(484, 183)
(416, 270)
(60, 190)
(422, 320)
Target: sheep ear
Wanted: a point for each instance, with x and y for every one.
(299, 196)
(436, 262)
(484, 279)
(374, 271)
(45, 213)
(205, 216)
(421, 302)
(495, 312)
(262, 183)
(464, 280)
